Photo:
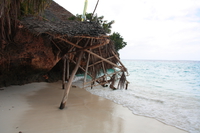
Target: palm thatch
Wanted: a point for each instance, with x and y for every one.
(71, 37)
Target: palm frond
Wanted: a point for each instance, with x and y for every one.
(12, 10)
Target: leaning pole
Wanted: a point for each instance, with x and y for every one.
(69, 83)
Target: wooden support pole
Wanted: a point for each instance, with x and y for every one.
(91, 53)
(100, 61)
(120, 62)
(86, 70)
(126, 85)
(98, 45)
(69, 83)
(81, 68)
(95, 8)
(103, 59)
(90, 37)
(67, 69)
(64, 72)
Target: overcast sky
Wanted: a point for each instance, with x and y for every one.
(153, 29)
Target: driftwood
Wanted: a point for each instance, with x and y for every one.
(112, 80)
(99, 79)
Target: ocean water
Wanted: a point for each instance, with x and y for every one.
(168, 91)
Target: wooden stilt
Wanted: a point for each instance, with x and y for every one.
(86, 70)
(69, 83)
(90, 52)
(100, 61)
(98, 45)
(67, 70)
(82, 68)
(93, 76)
(126, 85)
(64, 72)
(113, 64)
(95, 8)
(120, 62)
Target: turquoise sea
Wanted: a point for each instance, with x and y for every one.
(168, 91)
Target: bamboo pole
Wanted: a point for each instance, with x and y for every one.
(64, 72)
(66, 93)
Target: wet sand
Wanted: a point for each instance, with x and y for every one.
(34, 108)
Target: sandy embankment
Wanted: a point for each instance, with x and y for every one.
(33, 108)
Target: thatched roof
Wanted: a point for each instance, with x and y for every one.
(70, 28)
(55, 11)
(71, 37)
(55, 21)
(83, 44)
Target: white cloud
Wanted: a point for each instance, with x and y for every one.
(153, 29)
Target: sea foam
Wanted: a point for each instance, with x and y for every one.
(166, 91)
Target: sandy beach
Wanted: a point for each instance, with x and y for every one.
(34, 108)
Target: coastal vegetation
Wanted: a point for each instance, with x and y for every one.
(118, 40)
(13, 10)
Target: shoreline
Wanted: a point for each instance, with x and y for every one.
(34, 108)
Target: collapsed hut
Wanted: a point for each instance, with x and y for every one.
(86, 45)
(83, 45)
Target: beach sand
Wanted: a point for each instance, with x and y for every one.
(34, 108)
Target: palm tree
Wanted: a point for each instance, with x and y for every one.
(12, 10)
